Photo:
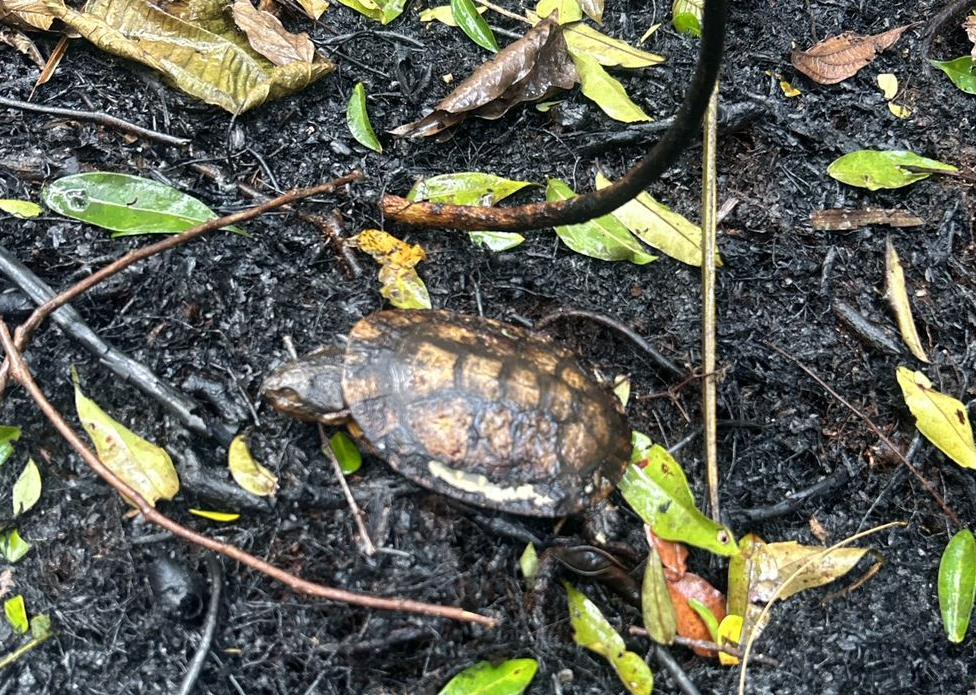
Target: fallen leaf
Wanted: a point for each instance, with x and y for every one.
(690, 622)
(876, 169)
(897, 295)
(779, 561)
(346, 452)
(567, 11)
(686, 16)
(28, 14)
(23, 209)
(222, 517)
(888, 83)
(510, 677)
(266, 35)
(529, 564)
(606, 50)
(592, 9)
(358, 119)
(16, 614)
(835, 59)
(962, 72)
(657, 608)
(604, 90)
(12, 546)
(399, 282)
(969, 24)
(898, 110)
(27, 489)
(844, 220)
(247, 471)
(729, 633)
(957, 584)
(383, 11)
(142, 465)
(530, 69)
(443, 14)
(467, 17)
(21, 42)
(789, 91)
(942, 419)
(313, 8)
(8, 435)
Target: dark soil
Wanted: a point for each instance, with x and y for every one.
(211, 317)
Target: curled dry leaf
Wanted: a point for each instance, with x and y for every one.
(269, 37)
(533, 68)
(27, 14)
(897, 295)
(18, 40)
(970, 26)
(400, 283)
(835, 59)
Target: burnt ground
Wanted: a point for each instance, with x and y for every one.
(210, 318)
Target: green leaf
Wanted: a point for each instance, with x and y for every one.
(27, 489)
(16, 614)
(529, 563)
(657, 608)
(604, 237)
(607, 51)
(510, 677)
(248, 471)
(12, 546)
(660, 495)
(8, 435)
(874, 169)
(384, 11)
(125, 204)
(346, 453)
(569, 10)
(443, 14)
(686, 17)
(957, 584)
(592, 631)
(658, 226)
(605, 91)
(705, 613)
(942, 419)
(20, 208)
(358, 120)
(473, 24)
(41, 627)
(496, 241)
(962, 72)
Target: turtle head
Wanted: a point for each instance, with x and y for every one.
(309, 388)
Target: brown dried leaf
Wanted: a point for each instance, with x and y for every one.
(533, 68)
(970, 26)
(835, 59)
(26, 15)
(268, 37)
(840, 220)
(20, 41)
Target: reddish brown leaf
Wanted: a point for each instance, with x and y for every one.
(690, 625)
(835, 59)
(268, 37)
(532, 68)
(970, 26)
(673, 555)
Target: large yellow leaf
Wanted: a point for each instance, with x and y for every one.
(144, 466)
(941, 418)
(605, 91)
(247, 471)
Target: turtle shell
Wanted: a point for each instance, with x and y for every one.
(483, 411)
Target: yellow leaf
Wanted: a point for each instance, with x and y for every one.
(729, 632)
(605, 91)
(789, 90)
(20, 208)
(941, 418)
(605, 50)
(898, 297)
(247, 472)
(224, 517)
(314, 8)
(143, 466)
(899, 110)
(888, 84)
(818, 568)
(400, 283)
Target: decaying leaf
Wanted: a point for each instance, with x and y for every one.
(383, 11)
(27, 489)
(313, 8)
(196, 46)
(20, 41)
(23, 209)
(969, 25)
(606, 50)
(247, 471)
(222, 517)
(605, 91)
(400, 283)
(942, 419)
(268, 36)
(839, 220)
(777, 562)
(144, 466)
(566, 10)
(28, 14)
(532, 68)
(897, 295)
(592, 9)
(875, 169)
(657, 608)
(691, 621)
(835, 59)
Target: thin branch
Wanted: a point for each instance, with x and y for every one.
(20, 372)
(709, 310)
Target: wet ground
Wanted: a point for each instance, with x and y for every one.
(210, 318)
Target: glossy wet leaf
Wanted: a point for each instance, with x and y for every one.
(383, 11)
(8, 435)
(358, 120)
(876, 169)
(247, 471)
(23, 209)
(27, 489)
(268, 36)
(606, 50)
(532, 68)
(16, 613)
(346, 452)
(566, 10)
(897, 295)
(443, 14)
(942, 419)
(142, 465)
(660, 495)
(603, 237)
(222, 517)
(686, 17)
(471, 22)
(957, 584)
(660, 227)
(592, 631)
(12, 546)
(125, 204)
(605, 91)
(657, 609)
(962, 72)
(196, 45)
(399, 281)
(510, 677)
(839, 57)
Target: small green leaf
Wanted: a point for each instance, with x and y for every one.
(27, 489)
(874, 169)
(358, 120)
(705, 613)
(568, 10)
(529, 563)
(605, 91)
(247, 471)
(660, 495)
(496, 241)
(8, 435)
(510, 677)
(20, 208)
(346, 453)
(957, 584)
(604, 237)
(473, 24)
(16, 614)
(592, 631)
(12, 546)
(125, 204)
(686, 17)
(962, 72)
(660, 618)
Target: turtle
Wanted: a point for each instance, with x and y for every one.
(470, 407)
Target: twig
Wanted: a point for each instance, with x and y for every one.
(672, 666)
(692, 643)
(99, 118)
(20, 372)
(357, 513)
(877, 431)
(210, 627)
(502, 11)
(709, 311)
